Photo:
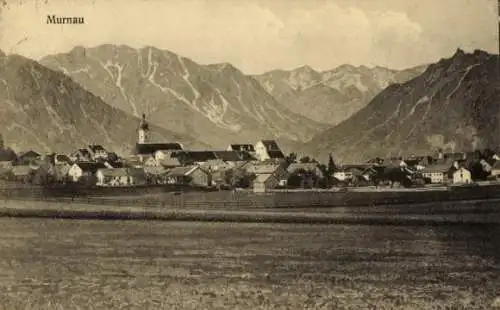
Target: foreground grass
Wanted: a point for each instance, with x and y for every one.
(175, 294)
(61, 264)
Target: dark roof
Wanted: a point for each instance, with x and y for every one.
(444, 168)
(232, 155)
(413, 161)
(63, 158)
(151, 148)
(117, 164)
(271, 145)
(242, 147)
(275, 154)
(199, 156)
(91, 166)
(183, 171)
(7, 154)
(357, 166)
(97, 148)
(29, 153)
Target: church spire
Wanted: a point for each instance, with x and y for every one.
(143, 130)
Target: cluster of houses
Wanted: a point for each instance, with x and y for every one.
(261, 166)
(150, 164)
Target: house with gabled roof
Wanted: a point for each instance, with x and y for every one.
(438, 174)
(28, 156)
(268, 150)
(265, 182)
(81, 155)
(268, 176)
(189, 175)
(81, 170)
(97, 152)
(119, 177)
(462, 176)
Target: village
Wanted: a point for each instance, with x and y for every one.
(260, 167)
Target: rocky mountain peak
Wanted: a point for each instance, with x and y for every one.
(217, 103)
(452, 105)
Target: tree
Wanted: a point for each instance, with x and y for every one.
(112, 157)
(393, 175)
(477, 172)
(305, 160)
(238, 178)
(302, 178)
(488, 153)
(291, 158)
(42, 176)
(331, 166)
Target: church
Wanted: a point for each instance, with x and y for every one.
(145, 148)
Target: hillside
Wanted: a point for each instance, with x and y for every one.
(47, 111)
(454, 104)
(216, 103)
(331, 96)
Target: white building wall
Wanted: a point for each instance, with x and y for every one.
(462, 175)
(75, 173)
(261, 151)
(435, 177)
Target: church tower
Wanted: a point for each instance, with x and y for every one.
(143, 131)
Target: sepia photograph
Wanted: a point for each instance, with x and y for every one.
(250, 154)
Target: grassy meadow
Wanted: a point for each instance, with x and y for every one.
(69, 264)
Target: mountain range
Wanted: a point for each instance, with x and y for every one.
(334, 95)
(45, 110)
(216, 103)
(453, 105)
(95, 95)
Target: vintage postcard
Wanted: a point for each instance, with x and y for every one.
(256, 154)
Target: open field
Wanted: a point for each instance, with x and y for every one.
(473, 212)
(64, 264)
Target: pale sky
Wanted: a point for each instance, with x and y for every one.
(261, 35)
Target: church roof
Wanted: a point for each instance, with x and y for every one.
(233, 155)
(151, 148)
